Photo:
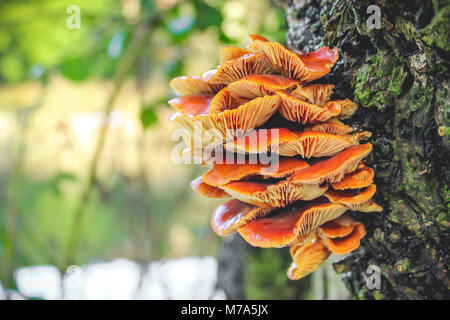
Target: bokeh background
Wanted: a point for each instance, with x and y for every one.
(86, 177)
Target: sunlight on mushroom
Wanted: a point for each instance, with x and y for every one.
(260, 101)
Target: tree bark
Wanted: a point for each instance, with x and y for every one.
(399, 75)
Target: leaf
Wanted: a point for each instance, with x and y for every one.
(76, 69)
(207, 16)
(148, 117)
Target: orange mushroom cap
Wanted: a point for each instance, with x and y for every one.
(192, 105)
(307, 144)
(302, 66)
(360, 178)
(261, 140)
(231, 53)
(303, 112)
(337, 228)
(344, 244)
(207, 190)
(319, 62)
(351, 198)
(193, 85)
(284, 225)
(252, 63)
(314, 93)
(279, 194)
(334, 168)
(228, 217)
(221, 174)
(307, 257)
(256, 85)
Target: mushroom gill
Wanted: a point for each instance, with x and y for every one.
(302, 66)
(224, 173)
(279, 194)
(360, 178)
(306, 144)
(314, 93)
(256, 85)
(284, 225)
(193, 85)
(251, 63)
(258, 102)
(230, 122)
(300, 111)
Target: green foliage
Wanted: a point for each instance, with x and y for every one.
(379, 81)
(265, 276)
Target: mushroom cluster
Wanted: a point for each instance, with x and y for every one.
(259, 101)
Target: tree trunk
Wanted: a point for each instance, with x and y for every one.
(399, 75)
(231, 266)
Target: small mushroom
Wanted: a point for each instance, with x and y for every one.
(307, 257)
(342, 235)
(221, 174)
(332, 126)
(302, 66)
(369, 206)
(252, 63)
(348, 108)
(300, 111)
(337, 228)
(314, 93)
(351, 198)
(256, 85)
(360, 178)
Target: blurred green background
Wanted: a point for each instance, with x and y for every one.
(85, 145)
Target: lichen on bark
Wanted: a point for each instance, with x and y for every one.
(399, 75)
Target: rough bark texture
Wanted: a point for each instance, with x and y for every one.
(399, 74)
